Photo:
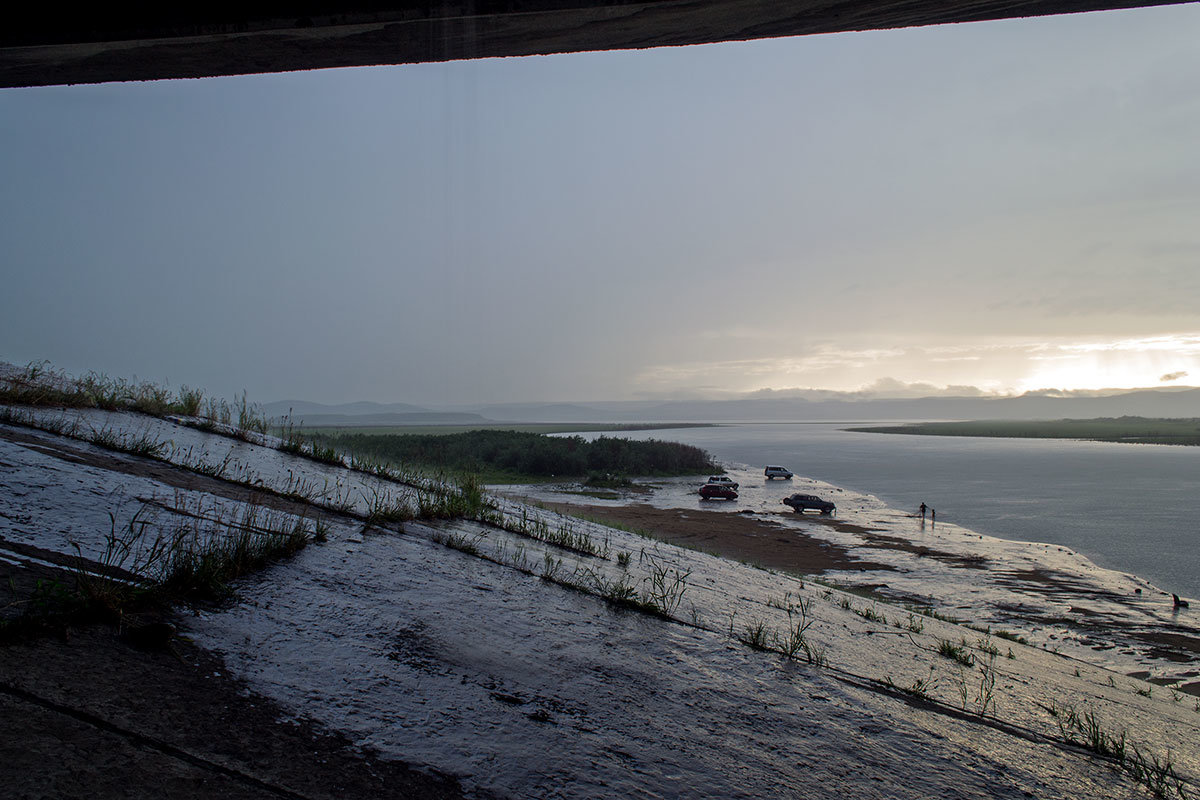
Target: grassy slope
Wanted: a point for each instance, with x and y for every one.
(1141, 430)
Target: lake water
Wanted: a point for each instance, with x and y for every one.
(1128, 507)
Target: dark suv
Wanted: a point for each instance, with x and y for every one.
(711, 491)
(801, 502)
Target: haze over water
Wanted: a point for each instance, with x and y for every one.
(1133, 508)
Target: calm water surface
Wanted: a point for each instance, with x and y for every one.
(1128, 507)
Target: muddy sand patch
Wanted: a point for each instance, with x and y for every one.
(884, 542)
(742, 537)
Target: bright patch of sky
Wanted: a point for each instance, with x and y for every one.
(997, 206)
(1000, 367)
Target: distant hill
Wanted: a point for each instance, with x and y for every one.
(1143, 402)
(546, 412)
(1174, 402)
(1130, 430)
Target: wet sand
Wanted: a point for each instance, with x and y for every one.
(166, 474)
(90, 715)
(757, 539)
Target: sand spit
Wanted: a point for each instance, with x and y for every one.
(507, 665)
(1047, 594)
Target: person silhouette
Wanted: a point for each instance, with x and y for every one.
(923, 507)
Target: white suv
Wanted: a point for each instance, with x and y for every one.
(777, 472)
(723, 480)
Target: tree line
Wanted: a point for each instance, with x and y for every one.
(528, 453)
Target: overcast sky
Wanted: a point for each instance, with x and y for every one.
(1007, 205)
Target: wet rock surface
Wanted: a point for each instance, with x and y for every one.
(96, 715)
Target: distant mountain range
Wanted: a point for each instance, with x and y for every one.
(1145, 403)
(1174, 402)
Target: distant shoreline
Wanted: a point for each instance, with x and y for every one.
(1120, 430)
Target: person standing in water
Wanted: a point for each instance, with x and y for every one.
(923, 507)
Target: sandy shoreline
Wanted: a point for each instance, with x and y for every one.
(1046, 594)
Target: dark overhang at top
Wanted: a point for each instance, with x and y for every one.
(47, 45)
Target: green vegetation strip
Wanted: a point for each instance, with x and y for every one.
(512, 453)
(523, 427)
(42, 386)
(1133, 430)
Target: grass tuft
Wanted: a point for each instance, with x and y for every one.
(755, 635)
(460, 541)
(1010, 636)
(665, 587)
(955, 652)
(1086, 730)
(565, 535)
(920, 688)
(870, 614)
(145, 567)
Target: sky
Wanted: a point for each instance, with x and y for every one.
(988, 207)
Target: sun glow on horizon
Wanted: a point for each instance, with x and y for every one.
(1123, 364)
(980, 368)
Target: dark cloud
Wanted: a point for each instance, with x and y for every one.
(1173, 376)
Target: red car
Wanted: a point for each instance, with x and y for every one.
(712, 491)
